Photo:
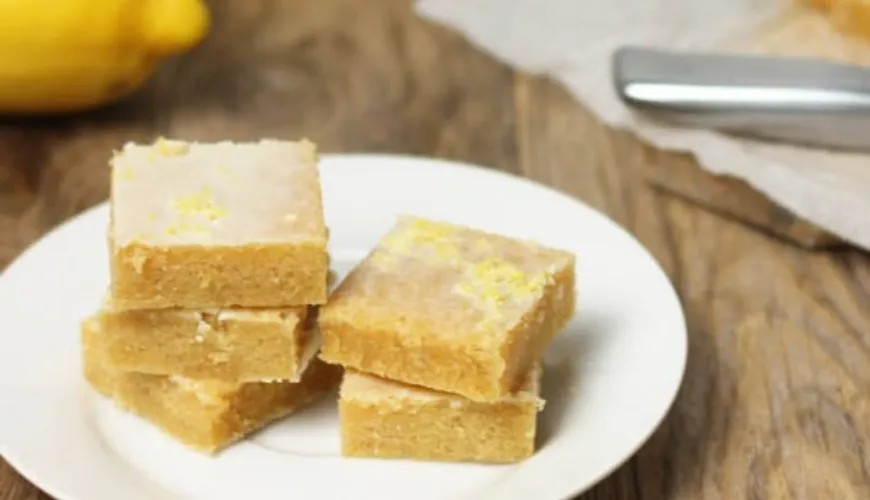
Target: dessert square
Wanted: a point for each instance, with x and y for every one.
(217, 225)
(449, 308)
(204, 415)
(386, 419)
(230, 345)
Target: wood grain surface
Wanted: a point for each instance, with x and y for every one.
(735, 198)
(775, 403)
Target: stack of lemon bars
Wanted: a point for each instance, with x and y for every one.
(218, 258)
(441, 330)
(218, 308)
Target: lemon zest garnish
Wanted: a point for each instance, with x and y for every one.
(200, 203)
(124, 173)
(183, 227)
(419, 233)
(494, 281)
(171, 148)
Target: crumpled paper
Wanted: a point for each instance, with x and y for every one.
(572, 41)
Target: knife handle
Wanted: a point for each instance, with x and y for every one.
(810, 102)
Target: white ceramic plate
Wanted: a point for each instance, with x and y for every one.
(610, 377)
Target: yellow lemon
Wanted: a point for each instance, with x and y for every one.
(70, 55)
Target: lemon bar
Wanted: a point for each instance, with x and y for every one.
(204, 415)
(231, 345)
(449, 308)
(386, 419)
(200, 226)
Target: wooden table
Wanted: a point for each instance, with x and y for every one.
(776, 400)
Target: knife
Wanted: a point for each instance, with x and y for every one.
(803, 101)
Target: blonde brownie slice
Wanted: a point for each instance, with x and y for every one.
(204, 415)
(385, 419)
(217, 225)
(449, 308)
(231, 345)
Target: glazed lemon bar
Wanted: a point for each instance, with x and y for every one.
(385, 419)
(204, 415)
(223, 224)
(449, 308)
(231, 345)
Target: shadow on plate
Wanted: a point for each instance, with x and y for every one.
(559, 384)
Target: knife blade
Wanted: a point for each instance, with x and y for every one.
(802, 101)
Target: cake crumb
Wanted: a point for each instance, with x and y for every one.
(138, 259)
(203, 328)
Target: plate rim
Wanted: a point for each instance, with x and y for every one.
(21, 468)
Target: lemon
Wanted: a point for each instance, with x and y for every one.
(70, 55)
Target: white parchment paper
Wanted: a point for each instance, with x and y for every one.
(572, 41)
